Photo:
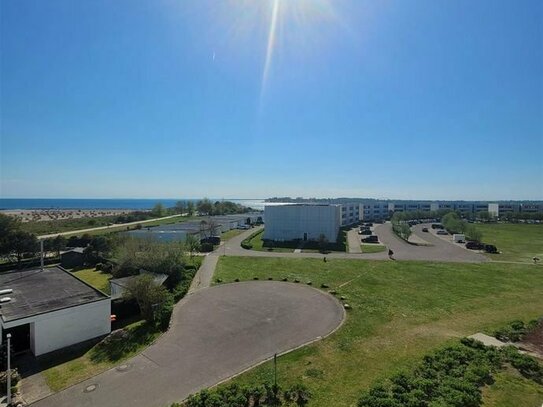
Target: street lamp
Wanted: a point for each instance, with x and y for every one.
(8, 392)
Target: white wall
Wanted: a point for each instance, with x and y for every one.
(69, 326)
(290, 222)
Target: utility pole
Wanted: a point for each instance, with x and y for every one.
(41, 251)
(8, 390)
(275, 370)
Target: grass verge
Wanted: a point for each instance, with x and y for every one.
(400, 312)
(69, 366)
(372, 248)
(516, 241)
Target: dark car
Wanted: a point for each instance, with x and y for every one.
(214, 240)
(365, 232)
(490, 248)
(475, 245)
(371, 239)
(437, 226)
(425, 229)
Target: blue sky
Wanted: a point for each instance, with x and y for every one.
(389, 99)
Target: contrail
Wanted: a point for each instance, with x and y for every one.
(271, 44)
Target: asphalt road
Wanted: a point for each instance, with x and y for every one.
(440, 249)
(216, 333)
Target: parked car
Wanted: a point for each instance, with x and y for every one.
(442, 232)
(365, 232)
(214, 240)
(370, 239)
(437, 226)
(368, 224)
(474, 245)
(490, 248)
(425, 229)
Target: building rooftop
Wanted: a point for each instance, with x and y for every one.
(36, 292)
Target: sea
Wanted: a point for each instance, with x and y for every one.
(133, 204)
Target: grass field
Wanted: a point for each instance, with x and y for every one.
(401, 311)
(74, 226)
(95, 278)
(72, 365)
(372, 248)
(517, 242)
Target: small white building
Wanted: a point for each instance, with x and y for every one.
(49, 309)
(302, 222)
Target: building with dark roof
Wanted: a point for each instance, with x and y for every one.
(50, 309)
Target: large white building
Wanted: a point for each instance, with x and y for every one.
(49, 309)
(302, 222)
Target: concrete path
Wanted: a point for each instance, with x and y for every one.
(204, 275)
(216, 333)
(487, 340)
(33, 385)
(353, 241)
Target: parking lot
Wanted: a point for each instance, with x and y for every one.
(439, 249)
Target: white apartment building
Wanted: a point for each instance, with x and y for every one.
(302, 222)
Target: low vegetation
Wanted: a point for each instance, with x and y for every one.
(453, 376)
(400, 311)
(267, 395)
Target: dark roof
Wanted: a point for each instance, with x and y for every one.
(80, 250)
(37, 292)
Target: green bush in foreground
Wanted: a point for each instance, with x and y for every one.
(234, 395)
(452, 376)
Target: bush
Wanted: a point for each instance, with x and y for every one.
(99, 266)
(325, 285)
(206, 247)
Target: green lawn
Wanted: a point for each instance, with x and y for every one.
(231, 233)
(372, 248)
(72, 365)
(258, 244)
(517, 242)
(511, 389)
(95, 278)
(401, 311)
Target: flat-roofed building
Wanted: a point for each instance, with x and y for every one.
(302, 222)
(49, 309)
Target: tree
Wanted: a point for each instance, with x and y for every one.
(158, 210)
(59, 244)
(192, 244)
(23, 243)
(150, 296)
(190, 208)
(208, 228)
(8, 226)
(179, 207)
(204, 207)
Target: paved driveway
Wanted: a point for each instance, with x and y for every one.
(215, 333)
(440, 249)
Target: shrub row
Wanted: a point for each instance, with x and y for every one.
(234, 395)
(515, 331)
